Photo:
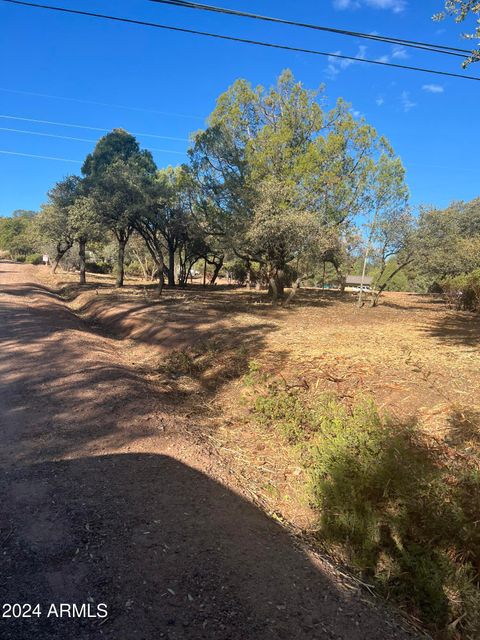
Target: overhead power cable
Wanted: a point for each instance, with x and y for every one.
(83, 126)
(241, 40)
(426, 46)
(53, 135)
(101, 104)
(31, 155)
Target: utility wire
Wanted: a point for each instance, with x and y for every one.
(101, 104)
(242, 40)
(53, 135)
(426, 46)
(82, 126)
(31, 155)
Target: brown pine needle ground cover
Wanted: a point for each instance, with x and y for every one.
(413, 356)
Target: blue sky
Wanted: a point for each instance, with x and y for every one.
(164, 84)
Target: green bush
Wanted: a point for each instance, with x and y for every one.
(238, 271)
(98, 267)
(463, 291)
(33, 258)
(396, 511)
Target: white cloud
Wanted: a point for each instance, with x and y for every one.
(397, 6)
(380, 100)
(399, 53)
(433, 88)
(394, 5)
(336, 65)
(345, 4)
(407, 103)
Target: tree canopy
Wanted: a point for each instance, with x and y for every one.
(277, 171)
(277, 186)
(461, 10)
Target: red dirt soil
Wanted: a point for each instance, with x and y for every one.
(104, 499)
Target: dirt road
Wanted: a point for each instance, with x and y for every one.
(104, 501)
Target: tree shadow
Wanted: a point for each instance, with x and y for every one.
(456, 328)
(53, 344)
(464, 427)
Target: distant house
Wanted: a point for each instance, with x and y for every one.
(355, 282)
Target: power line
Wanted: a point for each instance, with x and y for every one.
(46, 135)
(101, 104)
(426, 46)
(53, 135)
(31, 155)
(82, 126)
(241, 40)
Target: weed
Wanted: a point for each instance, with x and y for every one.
(179, 362)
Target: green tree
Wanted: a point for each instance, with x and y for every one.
(448, 242)
(16, 233)
(277, 172)
(84, 226)
(117, 175)
(394, 237)
(391, 226)
(171, 213)
(53, 221)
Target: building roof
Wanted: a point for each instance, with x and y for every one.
(358, 280)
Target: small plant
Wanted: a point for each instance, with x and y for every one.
(285, 410)
(255, 375)
(33, 258)
(179, 362)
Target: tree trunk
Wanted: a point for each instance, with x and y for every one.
(160, 283)
(216, 271)
(56, 263)
(280, 283)
(58, 257)
(81, 255)
(142, 266)
(381, 289)
(122, 242)
(273, 290)
(171, 267)
(295, 287)
(291, 295)
(276, 286)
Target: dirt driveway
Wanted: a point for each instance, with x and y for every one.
(103, 500)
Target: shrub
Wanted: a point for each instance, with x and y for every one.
(33, 258)
(463, 292)
(238, 271)
(285, 410)
(179, 362)
(98, 267)
(398, 512)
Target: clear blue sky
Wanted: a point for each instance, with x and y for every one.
(170, 82)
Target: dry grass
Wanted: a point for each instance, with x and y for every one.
(414, 356)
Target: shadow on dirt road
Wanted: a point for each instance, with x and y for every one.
(103, 500)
